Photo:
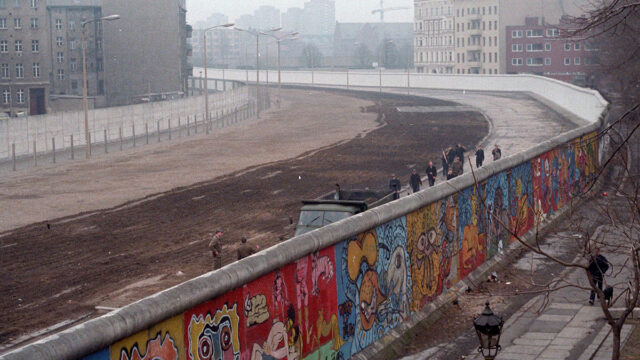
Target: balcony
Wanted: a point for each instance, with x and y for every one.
(475, 31)
(189, 31)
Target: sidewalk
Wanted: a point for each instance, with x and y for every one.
(568, 328)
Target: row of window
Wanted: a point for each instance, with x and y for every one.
(475, 25)
(476, 57)
(432, 12)
(16, 4)
(531, 47)
(35, 46)
(6, 95)
(19, 71)
(535, 33)
(436, 25)
(435, 41)
(434, 57)
(475, 40)
(17, 23)
(476, 71)
(476, 11)
(547, 61)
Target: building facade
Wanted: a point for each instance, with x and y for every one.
(146, 49)
(25, 68)
(477, 34)
(537, 47)
(434, 36)
(65, 19)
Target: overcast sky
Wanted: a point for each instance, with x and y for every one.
(346, 10)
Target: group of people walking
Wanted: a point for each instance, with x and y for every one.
(452, 166)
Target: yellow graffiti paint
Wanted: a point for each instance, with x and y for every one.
(163, 341)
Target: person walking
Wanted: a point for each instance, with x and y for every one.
(496, 152)
(460, 152)
(215, 246)
(245, 249)
(445, 164)
(432, 172)
(479, 156)
(598, 266)
(415, 181)
(457, 167)
(394, 185)
(451, 155)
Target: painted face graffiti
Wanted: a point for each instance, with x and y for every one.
(215, 338)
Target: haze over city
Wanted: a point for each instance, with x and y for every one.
(319, 179)
(346, 10)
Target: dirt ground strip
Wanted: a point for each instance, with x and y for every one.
(115, 256)
(305, 122)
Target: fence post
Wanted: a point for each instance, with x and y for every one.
(158, 129)
(179, 129)
(106, 144)
(72, 147)
(13, 155)
(120, 132)
(133, 132)
(35, 157)
(146, 132)
(195, 122)
(188, 127)
(169, 126)
(53, 148)
(206, 124)
(235, 114)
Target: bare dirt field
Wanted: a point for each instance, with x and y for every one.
(139, 243)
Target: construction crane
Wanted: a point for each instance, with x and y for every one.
(382, 10)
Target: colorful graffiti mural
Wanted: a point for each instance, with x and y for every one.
(335, 302)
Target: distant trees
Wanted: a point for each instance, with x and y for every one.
(363, 56)
(311, 56)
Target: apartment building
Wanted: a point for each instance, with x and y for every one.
(65, 19)
(477, 35)
(24, 57)
(434, 36)
(537, 47)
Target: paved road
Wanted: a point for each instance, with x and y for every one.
(519, 121)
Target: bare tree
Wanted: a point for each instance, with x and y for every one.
(311, 55)
(620, 216)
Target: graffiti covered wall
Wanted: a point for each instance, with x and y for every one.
(335, 302)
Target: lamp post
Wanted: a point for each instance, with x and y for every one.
(206, 89)
(84, 77)
(257, 35)
(279, 39)
(489, 328)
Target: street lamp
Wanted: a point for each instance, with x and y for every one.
(206, 88)
(84, 78)
(257, 35)
(489, 328)
(279, 39)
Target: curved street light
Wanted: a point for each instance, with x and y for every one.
(206, 87)
(489, 328)
(257, 35)
(85, 104)
(279, 38)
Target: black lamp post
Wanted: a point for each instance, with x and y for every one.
(489, 328)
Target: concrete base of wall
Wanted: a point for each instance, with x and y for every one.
(396, 340)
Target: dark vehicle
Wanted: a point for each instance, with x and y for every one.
(337, 205)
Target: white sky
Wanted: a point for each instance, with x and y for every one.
(346, 10)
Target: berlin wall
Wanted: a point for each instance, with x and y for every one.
(139, 118)
(332, 292)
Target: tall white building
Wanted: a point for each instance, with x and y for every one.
(319, 17)
(434, 36)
